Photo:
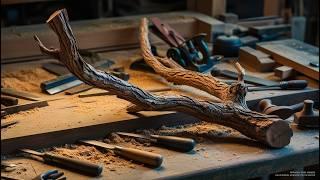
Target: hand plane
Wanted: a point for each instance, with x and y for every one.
(192, 54)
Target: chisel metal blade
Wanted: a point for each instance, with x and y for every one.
(133, 135)
(63, 87)
(29, 151)
(98, 144)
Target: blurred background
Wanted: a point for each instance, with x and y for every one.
(26, 12)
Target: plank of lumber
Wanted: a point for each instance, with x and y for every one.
(257, 59)
(269, 29)
(262, 22)
(284, 72)
(293, 53)
(24, 107)
(18, 42)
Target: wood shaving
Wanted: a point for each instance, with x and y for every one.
(90, 153)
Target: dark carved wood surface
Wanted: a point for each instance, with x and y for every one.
(266, 129)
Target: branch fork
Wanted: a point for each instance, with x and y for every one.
(232, 111)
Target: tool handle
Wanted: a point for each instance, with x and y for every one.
(178, 143)
(75, 164)
(8, 101)
(294, 84)
(144, 157)
(264, 104)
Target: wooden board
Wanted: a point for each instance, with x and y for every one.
(294, 54)
(257, 59)
(234, 157)
(18, 42)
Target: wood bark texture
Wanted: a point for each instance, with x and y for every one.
(231, 112)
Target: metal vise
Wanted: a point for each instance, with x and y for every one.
(192, 54)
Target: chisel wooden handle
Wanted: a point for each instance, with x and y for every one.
(293, 84)
(82, 166)
(178, 143)
(144, 157)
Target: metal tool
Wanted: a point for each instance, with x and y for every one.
(283, 85)
(185, 52)
(74, 164)
(284, 112)
(227, 45)
(144, 157)
(51, 175)
(7, 124)
(177, 143)
(8, 101)
(307, 117)
(247, 78)
(61, 83)
(20, 94)
(68, 81)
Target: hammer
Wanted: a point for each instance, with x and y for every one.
(284, 112)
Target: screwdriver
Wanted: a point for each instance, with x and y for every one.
(178, 143)
(79, 165)
(144, 157)
(283, 85)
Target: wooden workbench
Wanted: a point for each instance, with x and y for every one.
(72, 118)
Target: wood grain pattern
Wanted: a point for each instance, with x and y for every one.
(293, 53)
(235, 114)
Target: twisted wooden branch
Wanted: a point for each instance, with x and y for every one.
(179, 75)
(269, 130)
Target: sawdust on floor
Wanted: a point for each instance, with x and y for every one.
(26, 79)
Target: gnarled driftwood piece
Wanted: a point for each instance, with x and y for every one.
(267, 129)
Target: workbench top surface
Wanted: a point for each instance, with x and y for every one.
(218, 156)
(222, 158)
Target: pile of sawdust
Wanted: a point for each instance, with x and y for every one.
(200, 132)
(26, 80)
(94, 155)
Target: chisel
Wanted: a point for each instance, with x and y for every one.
(144, 157)
(283, 85)
(177, 143)
(74, 164)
